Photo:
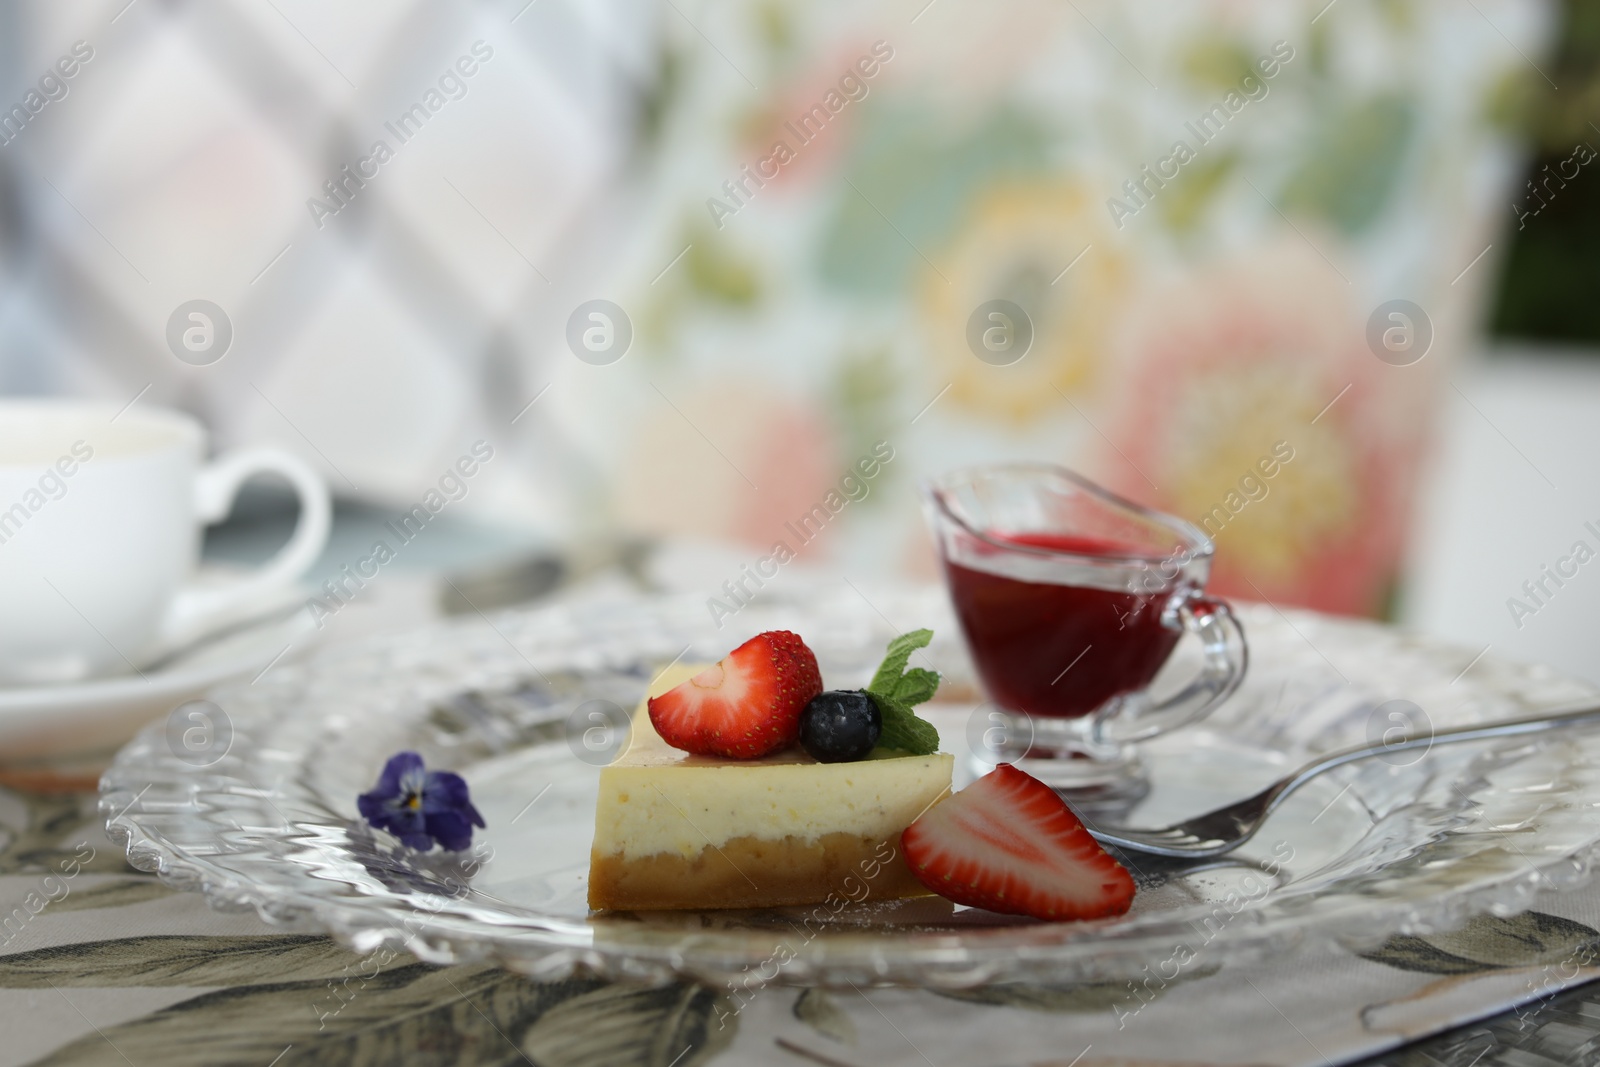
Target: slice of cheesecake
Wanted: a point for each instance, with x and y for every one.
(674, 830)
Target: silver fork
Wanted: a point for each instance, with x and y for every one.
(1225, 829)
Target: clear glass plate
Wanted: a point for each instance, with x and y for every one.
(512, 704)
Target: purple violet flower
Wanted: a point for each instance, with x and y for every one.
(420, 806)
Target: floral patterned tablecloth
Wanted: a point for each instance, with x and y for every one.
(101, 964)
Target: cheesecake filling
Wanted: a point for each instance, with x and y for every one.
(643, 811)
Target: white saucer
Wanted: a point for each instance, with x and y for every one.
(79, 719)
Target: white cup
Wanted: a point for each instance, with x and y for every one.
(100, 519)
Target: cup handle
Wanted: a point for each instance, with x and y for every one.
(1226, 656)
(198, 609)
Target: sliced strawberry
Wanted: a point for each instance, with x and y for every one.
(1009, 843)
(745, 707)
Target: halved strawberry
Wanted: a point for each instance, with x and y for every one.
(745, 707)
(1009, 843)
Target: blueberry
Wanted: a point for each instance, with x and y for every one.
(840, 726)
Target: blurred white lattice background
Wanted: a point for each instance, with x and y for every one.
(179, 165)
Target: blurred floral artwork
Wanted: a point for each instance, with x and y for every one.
(1253, 362)
(1010, 248)
(787, 461)
(1197, 265)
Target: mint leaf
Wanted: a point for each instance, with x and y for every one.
(917, 685)
(903, 729)
(896, 658)
(895, 689)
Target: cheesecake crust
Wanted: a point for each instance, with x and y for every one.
(754, 872)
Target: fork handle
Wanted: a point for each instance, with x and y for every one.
(1584, 715)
